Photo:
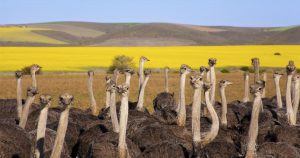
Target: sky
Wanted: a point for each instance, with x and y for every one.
(255, 13)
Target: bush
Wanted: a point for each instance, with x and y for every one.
(277, 53)
(245, 68)
(26, 70)
(121, 62)
(225, 71)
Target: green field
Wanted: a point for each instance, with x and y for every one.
(82, 58)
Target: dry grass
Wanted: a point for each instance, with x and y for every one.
(76, 84)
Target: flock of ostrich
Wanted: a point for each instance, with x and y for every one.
(253, 127)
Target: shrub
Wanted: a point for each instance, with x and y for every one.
(26, 70)
(225, 71)
(277, 53)
(245, 68)
(121, 62)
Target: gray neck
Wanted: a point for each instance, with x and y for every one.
(40, 134)
(107, 101)
(208, 76)
(113, 112)
(246, 93)
(296, 99)
(181, 117)
(166, 81)
(224, 107)
(196, 113)
(60, 134)
(127, 80)
(34, 84)
(289, 106)
(264, 90)
(141, 74)
(140, 105)
(116, 77)
(212, 134)
(122, 147)
(213, 82)
(256, 74)
(253, 129)
(278, 93)
(25, 111)
(19, 97)
(93, 104)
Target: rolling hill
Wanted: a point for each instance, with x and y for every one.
(141, 34)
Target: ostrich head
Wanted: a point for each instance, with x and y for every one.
(107, 79)
(255, 62)
(203, 69)
(224, 83)
(91, 73)
(111, 87)
(34, 68)
(123, 90)
(196, 81)
(262, 83)
(256, 89)
(185, 69)
(296, 78)
(144, 59)
(45, 99)
(116, 72)
(206, 86)
(147, 72)
(18, 74)
(32, 91)
(66, 99)
(128, 72)
(277, 74)
(290, 68)
(212, 61)
(246, 73)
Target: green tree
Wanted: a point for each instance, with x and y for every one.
(121, 62)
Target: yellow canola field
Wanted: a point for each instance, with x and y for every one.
(82, 58)
(19, 34)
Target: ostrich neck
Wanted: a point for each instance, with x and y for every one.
(140, 105)
(246, 97)
(116, 77)
(278, 93)
(141, 74)
(60, 134)
(19, 97)
(25, 111)
(253, 129)
(107, 100)
(224, 107)
(296, 99)
(208, 76)
(166, 82)
(113, 112)
(127, 80)
(196, 113)
(211, 135)
(264, 90)
(123, 125)
(213, 82)
(33, 77)
(40, 134)
(256, 74)
(93, 105)
(182, 111)
(289, 107)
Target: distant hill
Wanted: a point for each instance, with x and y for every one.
(141, 34)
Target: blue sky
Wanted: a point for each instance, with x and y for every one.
(200, 12)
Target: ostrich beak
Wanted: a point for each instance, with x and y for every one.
(229, 83)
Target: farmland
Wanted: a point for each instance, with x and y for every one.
(83, 58)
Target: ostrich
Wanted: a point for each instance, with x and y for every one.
(19, 75)
(264, 79)
(107, 101)
(290, 70)
(166, 80)
(246, 89)
(181, 118)
(255, 64)
(197, 83)
(141, 70)
(93, 105)
(203, 70)
(140, 104)
(33, 70)
(256, 90)
(45, 101)
(212, 62)
(222, 85)
(66, 100)
(277, 75)
(31, 92)
(112, 107)
(296, 80)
